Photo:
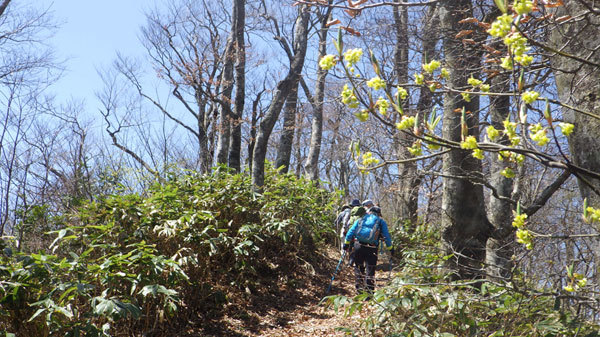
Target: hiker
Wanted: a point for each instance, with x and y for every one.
(367, 231)
(357, 212)
(342, 220)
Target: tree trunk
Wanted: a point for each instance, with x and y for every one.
(578, 86)
(284, 152)
(226, 86)
(316, 133)
(500, 245)
(280, 93)
(464, 222)
(410, 182)
(239, 13)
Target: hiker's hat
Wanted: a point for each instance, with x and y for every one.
(368, 203)
(375, 210)
(355, 203)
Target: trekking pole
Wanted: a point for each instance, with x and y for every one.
(335, 272)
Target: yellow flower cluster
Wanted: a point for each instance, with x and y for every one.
(507, 63)
(524, 59)
(523, 6)
(519, 220)
(501, 26)
(516, 43)
(538, 134)
(376, 83)
(406, 123)
(593, 214)
(469, 143)
(327, 62)
(530, 96)
(431, 143)
(517, 157)
(352, 56)
(368, 160)
(510, 129)
(478, 153)
(524, 237)
(492, 133)
(576, 280)
(566, 128)
(349, 98)
(508, 173)
(363, 115)
(512, 156)
(474, 82)
(415, 149)
(444, 73)
(419, 79)
(402, 93)
(466, 96)
(383, 105)
(431, 66)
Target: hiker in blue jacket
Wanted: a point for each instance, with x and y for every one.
(367, 232)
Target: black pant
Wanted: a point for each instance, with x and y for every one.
(365, 260)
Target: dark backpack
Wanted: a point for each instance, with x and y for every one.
(368, 229)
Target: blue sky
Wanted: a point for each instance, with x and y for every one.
(89, 36)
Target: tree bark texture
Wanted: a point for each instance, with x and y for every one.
(279, 95)
(226, 87)
(464, 222)
(235, 146)
(284, 151)
(316, 134)
(410, 181)
(578, 85)
(500, 246)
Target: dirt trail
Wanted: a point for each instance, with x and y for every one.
(295, 311)
(314, 319)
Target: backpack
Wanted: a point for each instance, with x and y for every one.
(368, 229)
(341, 219)
(355, 214)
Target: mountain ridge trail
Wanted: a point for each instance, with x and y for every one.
(294, 310)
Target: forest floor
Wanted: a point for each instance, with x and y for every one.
(293, 310)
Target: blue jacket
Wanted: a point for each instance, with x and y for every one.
(383, 227)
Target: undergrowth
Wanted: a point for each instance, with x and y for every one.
(130, 264)
(422, 301)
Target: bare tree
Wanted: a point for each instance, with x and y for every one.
(279, 96)
(576, 60)
(239, 14)
(312, 162)
(27, 66)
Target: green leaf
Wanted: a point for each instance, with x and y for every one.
(374, 63)
(339, 44)
(36, 314)
(156, 289)
(103, 307)
(501, 4)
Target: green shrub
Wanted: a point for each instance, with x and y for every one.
(126, 264)
(421, 301)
